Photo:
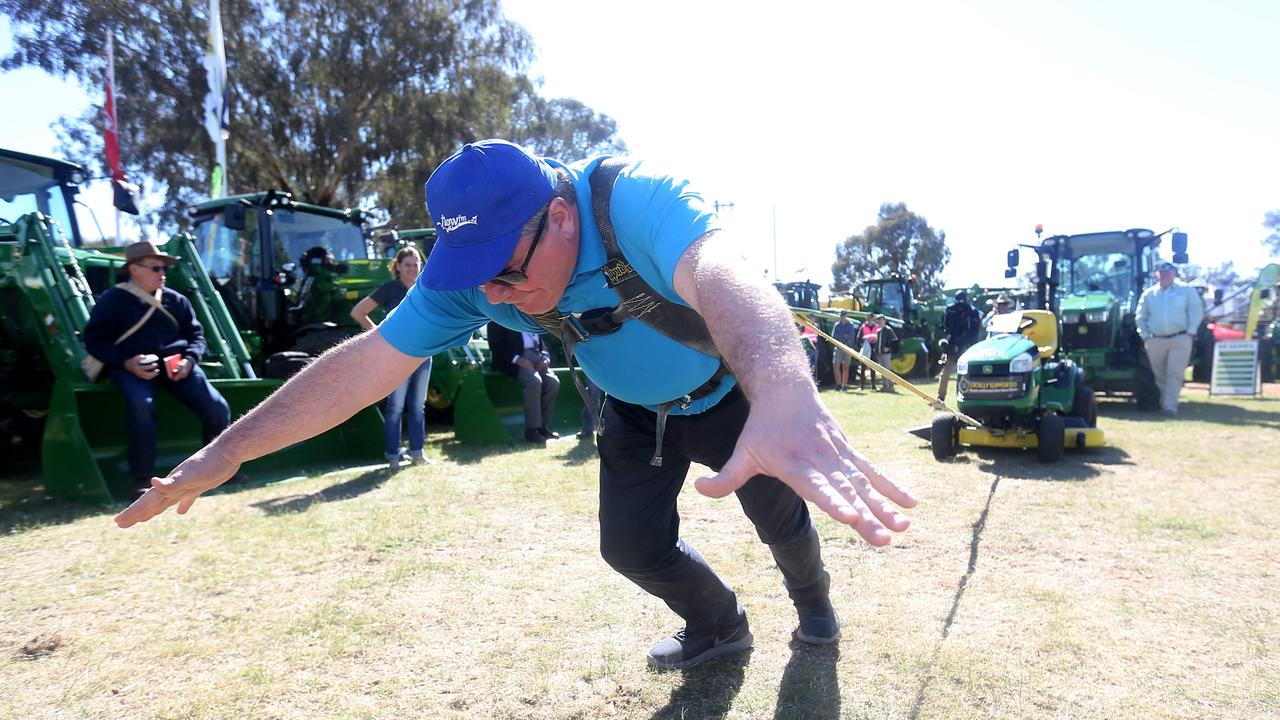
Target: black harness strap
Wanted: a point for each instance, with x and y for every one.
(678, 322)
(637, 300)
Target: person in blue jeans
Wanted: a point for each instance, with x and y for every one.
(132, 328)
(409, 399)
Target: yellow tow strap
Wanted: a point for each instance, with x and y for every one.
(934, 402)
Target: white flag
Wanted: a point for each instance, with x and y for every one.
(217, 118)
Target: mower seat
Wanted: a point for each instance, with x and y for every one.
(1041, 328)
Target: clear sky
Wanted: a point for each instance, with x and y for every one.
(985, 117)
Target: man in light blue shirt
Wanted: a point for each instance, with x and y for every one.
(1169, 313)
(518, 243)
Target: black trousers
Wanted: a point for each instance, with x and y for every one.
(640, 525)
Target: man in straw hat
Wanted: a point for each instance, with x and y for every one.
(137, 325)
(696, 353)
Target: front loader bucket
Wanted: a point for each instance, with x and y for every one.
(489, 409)
(84, 452)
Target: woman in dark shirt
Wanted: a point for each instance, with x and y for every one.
(411, 396)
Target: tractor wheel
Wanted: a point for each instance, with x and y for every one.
(284, 365)
(1085, 405)
(1049, 438)
(1147, 393)
(904, 365)
(944, 436)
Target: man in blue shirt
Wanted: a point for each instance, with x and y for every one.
(1169, 313)
(516, 240)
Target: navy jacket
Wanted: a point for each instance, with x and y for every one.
(117, 310)
(961, 325)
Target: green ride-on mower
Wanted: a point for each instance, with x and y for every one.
(1023, 391)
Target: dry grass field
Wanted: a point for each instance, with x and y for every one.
(1134, 581)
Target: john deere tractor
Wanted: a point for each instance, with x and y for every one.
(49, 281)
(1022, 389)
(918, 352)
(1092, 282)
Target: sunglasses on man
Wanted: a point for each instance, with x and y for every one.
(516, 277)
(154, 268)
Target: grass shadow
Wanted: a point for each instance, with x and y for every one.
(810, 685)
(581, 453)
(1075, 465)
(24, 506)
(345, 490)
(978, 526)
(463, 454)
(1225, 414)
(707, 690)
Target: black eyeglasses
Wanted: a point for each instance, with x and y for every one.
(516, 277)
(155, 268)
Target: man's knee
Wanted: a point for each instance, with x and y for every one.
(630, 555)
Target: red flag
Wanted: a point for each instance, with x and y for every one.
(112, 140)
(124, 194)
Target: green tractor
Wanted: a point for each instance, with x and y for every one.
(1019, 390)
(894, 296)
(49, 281)
(1092, 282)
(291, 272)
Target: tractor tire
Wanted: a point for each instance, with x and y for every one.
(1147, 393)
(284, 365)
(1049, 438)
(944, 435)
(1084, 405)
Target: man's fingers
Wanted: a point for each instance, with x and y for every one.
(735, 473)
(880, 481)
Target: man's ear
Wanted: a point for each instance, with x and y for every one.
(565, 217)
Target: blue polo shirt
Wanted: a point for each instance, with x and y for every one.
(655, 217)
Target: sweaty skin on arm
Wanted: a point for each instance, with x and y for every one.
(789, 433)
(366, 367)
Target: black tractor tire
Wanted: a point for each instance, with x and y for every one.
(944, 436)
(1049, 438)
(1084, 405)
(1147, 393)
(921, 369)
(284, 365)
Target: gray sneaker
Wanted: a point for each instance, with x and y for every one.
(684, 650)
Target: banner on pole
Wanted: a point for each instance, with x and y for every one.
(217, 118)
(1235, 368)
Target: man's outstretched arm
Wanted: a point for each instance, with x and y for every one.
(331, 389)
(789, 433)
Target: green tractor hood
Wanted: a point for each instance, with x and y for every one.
(1086, 303)
(997, 349)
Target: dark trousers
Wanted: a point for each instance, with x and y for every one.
(640, 526)
(194, 391)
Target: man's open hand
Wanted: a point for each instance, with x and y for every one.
(202, 471)
(796, 440)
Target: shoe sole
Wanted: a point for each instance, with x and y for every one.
(811, 640)
(709, 654)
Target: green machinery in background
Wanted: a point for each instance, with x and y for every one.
(895, 298)
(1092, 282)
(48, 284)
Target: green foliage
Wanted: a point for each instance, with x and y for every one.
(901, 242)
(341, 103)
(1272, 223)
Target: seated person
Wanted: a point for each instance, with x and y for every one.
(134, 354)
(524, 356)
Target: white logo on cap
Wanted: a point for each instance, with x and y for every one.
(453, 223)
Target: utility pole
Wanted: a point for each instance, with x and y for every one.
(775, 243)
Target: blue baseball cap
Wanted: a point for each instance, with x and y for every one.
(479, 199)
(1166, 265)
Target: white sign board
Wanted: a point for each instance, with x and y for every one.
(1235, 368)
